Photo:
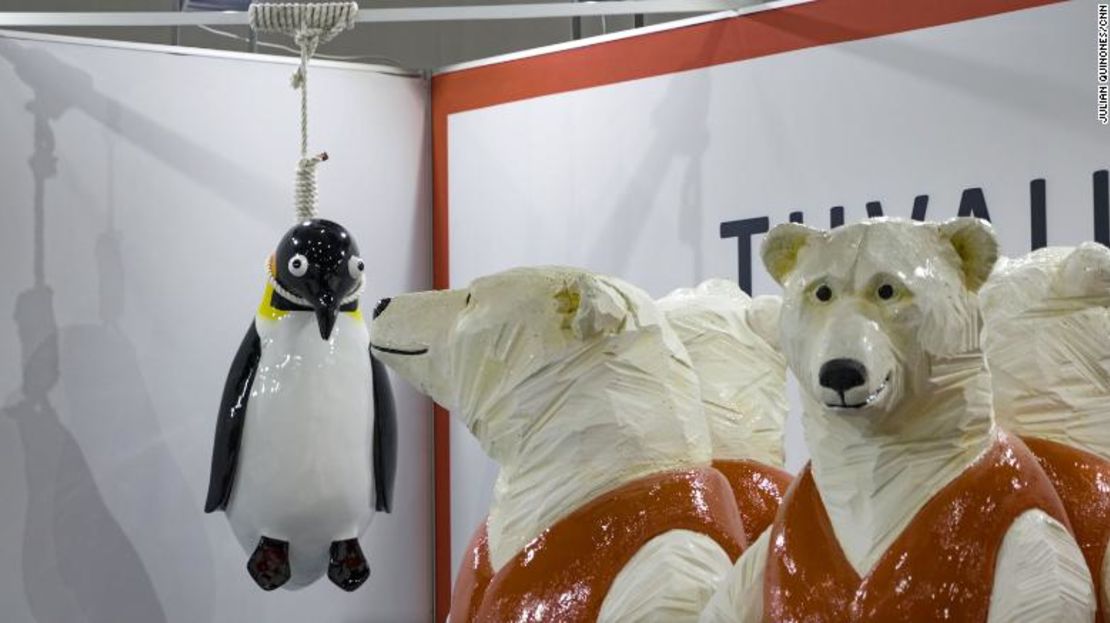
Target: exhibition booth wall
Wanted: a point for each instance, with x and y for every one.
(143, 190)
(662, 157)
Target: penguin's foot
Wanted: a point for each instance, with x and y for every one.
(269, 564)
(347, 568)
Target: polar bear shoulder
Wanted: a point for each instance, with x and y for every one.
(739, 596)
(669, 579)
(1040, 574)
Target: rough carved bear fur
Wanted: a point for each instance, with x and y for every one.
(1046, 335)
(732, 340)
(577, 387)
(910, 483)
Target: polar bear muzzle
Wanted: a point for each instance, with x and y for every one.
(847, 378)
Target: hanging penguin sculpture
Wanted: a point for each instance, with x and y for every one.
(305, 443)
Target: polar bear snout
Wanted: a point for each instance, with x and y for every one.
(380, 307)
(849, 362)
(408, 333)
(841, 375)
(845, 384)
(854, 360)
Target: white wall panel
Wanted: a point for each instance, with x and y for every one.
(163, 181)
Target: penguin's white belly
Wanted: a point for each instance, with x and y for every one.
(304, 468)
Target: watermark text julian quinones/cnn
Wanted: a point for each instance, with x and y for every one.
(1103, 68)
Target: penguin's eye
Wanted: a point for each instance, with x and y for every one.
(298, 265)
(355, 266)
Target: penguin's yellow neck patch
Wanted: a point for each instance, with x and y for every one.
(265, 309)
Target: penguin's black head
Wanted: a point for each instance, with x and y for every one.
(318, 261)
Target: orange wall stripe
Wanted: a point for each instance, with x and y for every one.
(441, 426)
(764, 33)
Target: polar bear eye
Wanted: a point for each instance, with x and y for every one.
(298, 265)
(823, 293)
(885, 292)
(467, 300)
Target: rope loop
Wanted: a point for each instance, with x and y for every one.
(304, 192)
(310, 25)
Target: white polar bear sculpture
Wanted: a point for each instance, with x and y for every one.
(1046, 335)
(732, 340)
(605, 507)
(915, 506)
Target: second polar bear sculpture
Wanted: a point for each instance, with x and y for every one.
(915, 506)
(732, 340)
(605, 507)
(1046, 334)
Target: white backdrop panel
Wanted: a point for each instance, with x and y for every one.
(164, 181)
(635, 179)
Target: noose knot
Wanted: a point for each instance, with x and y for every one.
(310, 25)
(305, 189)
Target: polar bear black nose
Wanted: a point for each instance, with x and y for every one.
(382, 304)
(840, 375)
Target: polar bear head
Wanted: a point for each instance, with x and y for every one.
(732, 340)
(521, 353)
(871, 311)
(1046, 335)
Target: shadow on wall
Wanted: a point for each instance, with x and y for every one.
(85, 560)
(59, 87)
(78, 565)
(958, 74)
(681, 132)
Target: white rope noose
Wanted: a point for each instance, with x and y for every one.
(310, 25)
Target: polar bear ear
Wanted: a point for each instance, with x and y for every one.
(974, 241)
(591, 308)
(763, 318)
(781, 246)
(1085, 271)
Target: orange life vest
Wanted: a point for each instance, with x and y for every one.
(941, 568)
(758, 488)
(565, 573)
(1082, 481)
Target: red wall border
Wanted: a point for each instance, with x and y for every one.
(753, 35)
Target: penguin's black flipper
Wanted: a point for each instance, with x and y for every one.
(385, 437)
(229, 421)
